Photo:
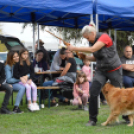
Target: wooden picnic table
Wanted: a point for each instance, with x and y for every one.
(48, 72)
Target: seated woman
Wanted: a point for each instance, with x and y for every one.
(67, 75)
(46, 57)
(41, 63)
(39, 60)
(12, 58)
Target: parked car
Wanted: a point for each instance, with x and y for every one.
(3, 56)
(10, 43)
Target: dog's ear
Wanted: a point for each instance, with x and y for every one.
(105, 88)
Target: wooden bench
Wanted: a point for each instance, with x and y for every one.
(48, 87)
(45, 88)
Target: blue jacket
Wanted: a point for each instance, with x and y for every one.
(9, 75)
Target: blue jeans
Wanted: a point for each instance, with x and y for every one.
(21, 90)
(54, 93)
(128, 81)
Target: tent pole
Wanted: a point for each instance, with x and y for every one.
(97, 30)
(97, 23)
(109, 32)
(91, 18)
(38, 37)
(33, 40)
(115, 38)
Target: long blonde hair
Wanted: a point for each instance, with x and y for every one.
(20, 55)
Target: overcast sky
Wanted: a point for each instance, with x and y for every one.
(15, 29)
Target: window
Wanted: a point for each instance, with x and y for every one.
(13, 43)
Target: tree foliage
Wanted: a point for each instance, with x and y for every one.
(124, 38)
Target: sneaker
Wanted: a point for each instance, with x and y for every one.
(55, 84)
(36, 107)
(85, 107)
(31, 107)
(54, 104)
(91, 123)
(5, 111)
(16, 109)
(71, 102)
(42, 105)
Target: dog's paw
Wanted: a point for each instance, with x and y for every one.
(130, 125)
(104, 123)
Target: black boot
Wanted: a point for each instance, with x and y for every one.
(91, 123)
(5, 111)
(126, 119)
(16, 109)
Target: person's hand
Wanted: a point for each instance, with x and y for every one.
(78, 89)
(0, 85)
(23, 80)
(81, 92)
(82, 56)
(29, 82)
(66, 43)
(71, 47)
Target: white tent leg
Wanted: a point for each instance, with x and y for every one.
(97, 29)
(91, 18)
(33, 48)
(97, 23)
(109, 32)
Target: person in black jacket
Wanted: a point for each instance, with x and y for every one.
(41, 47)
(24, 71)
(5, 87)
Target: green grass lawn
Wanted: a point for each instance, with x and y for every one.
(63, 119)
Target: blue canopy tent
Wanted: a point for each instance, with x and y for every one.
(43, 10)
(56, 13)
(115, 14)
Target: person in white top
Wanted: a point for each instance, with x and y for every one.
(58, 62)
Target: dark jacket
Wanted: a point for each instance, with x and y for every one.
(22, 70)
(41, 64)
(106, 58)
(2, 73)
(46, 55)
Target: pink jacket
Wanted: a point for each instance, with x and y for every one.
(85, 89)
(87, 71)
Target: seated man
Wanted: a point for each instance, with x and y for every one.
(7, 88)
(68, 75)
(128, 67)
(59, 58)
